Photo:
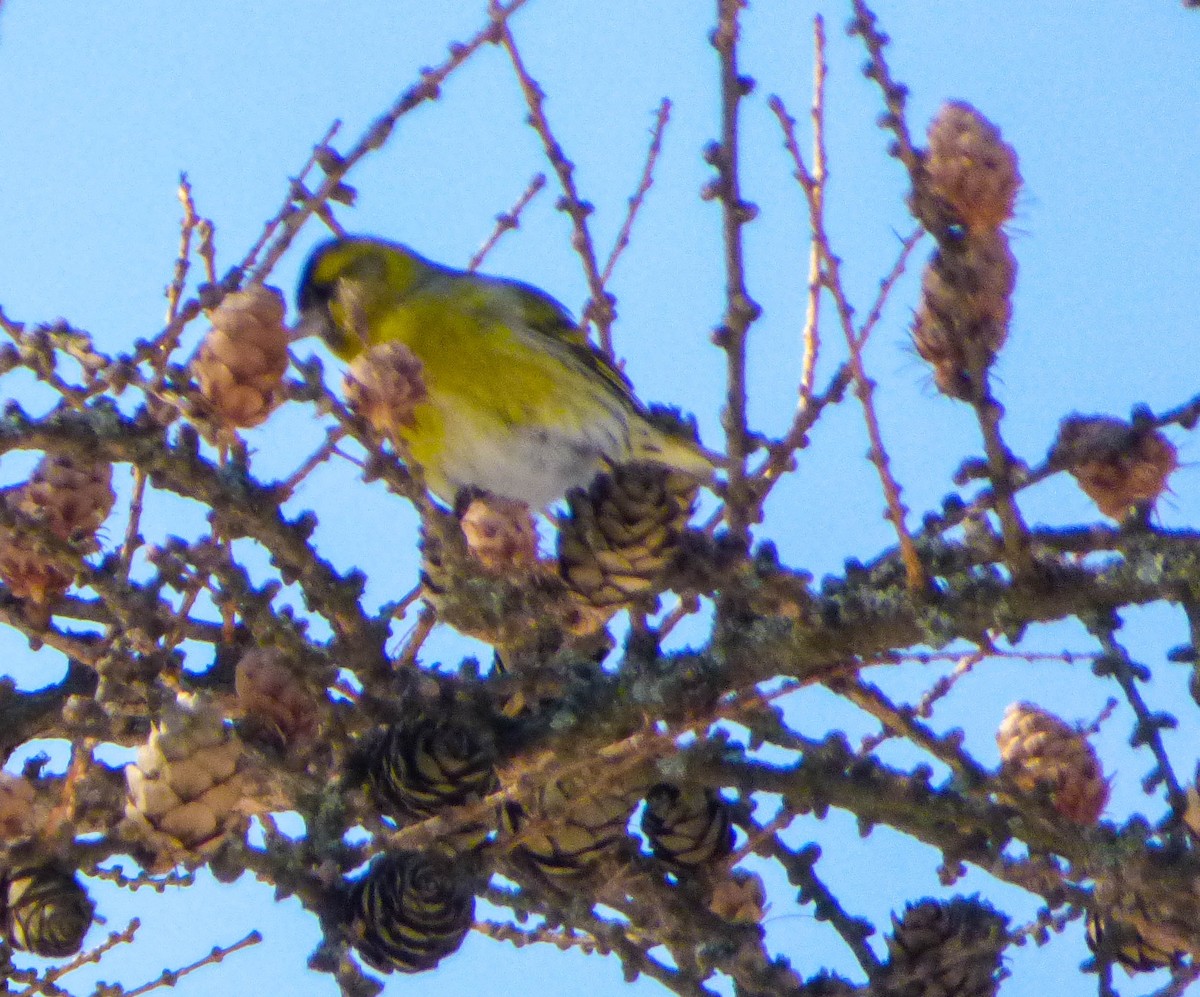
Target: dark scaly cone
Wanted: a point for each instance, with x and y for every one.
(688, 827)
(622, 534)
(568, 828)
(944, 949)
(426, 763)
(46, 911)
(409, 911)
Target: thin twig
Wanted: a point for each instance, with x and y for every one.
(399, 608)
(685, 608)
(165, 344)
(661, 117)
(1181, 978)
(864, 386)
(834, 392)
(988, 411)
(47, 983)
(182, 261)
(427, 88)
(289, 206)
(1148, 731)
(144, 879)
(599, 308)
(509, 220)
(132, 537)
(740, 309)
(1184, 415)
(809, 408)
(286, 488)
(894, 94)
(207, 250)
(37, 354)
(170, 977)
(1001, 471)
(426, 621)
(854, 931)
(903, 721)
(907, 245)
(812, 317)
(941, 688)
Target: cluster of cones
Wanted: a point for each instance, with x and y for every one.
(411, 908)
(965, 195)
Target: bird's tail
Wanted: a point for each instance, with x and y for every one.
(673, 446)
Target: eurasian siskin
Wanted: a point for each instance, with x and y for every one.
(517, 401)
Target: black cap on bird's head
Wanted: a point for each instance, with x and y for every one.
(347, 284)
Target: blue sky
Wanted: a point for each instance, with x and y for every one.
(103, 105)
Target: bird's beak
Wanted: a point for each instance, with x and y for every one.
(311, 323)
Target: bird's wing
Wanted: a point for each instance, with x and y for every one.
(549, 318)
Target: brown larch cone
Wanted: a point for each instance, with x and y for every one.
(276, 703)
(622, 534)
(972, 286)
(500, 533)
(450, 576)
(568, 827)
(1041, 753)
(971, 168)
(740, 898)
(1117, 464)
(941, 949)
(70, 498)
(241, 362)
(188, 787)
(17, 797)
(27, 572)
(966, 304)
(384, 386)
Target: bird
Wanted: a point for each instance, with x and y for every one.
(517, 402)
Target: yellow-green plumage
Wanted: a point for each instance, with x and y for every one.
(518, 402)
